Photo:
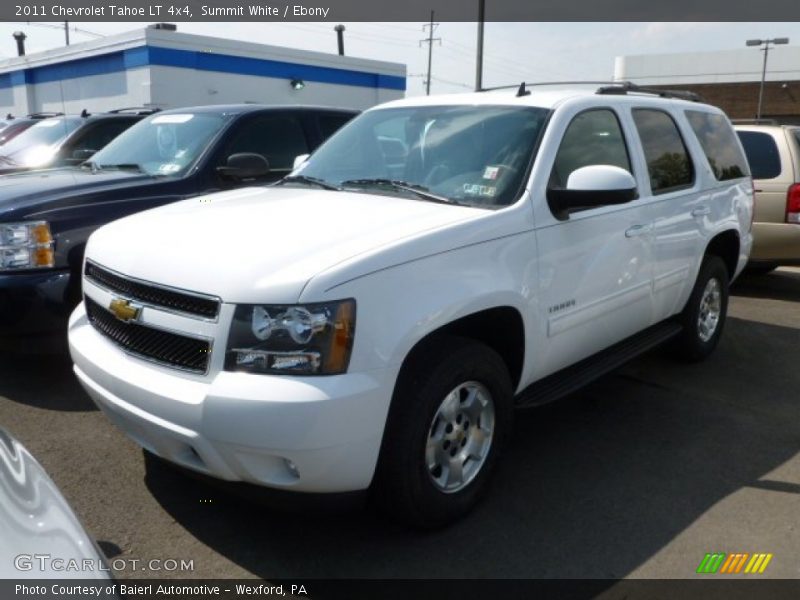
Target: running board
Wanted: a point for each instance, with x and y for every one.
(574, 377)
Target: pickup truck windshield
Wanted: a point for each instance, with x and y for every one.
(473, 155)
(164, 144)
(37, 144)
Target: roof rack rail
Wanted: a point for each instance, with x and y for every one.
(44, 115)
(626, 87)
(523, 85)
(138, 110)
(608, 87)
(755, 121)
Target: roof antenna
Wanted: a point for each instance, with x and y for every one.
(84, 113)
(522, 91)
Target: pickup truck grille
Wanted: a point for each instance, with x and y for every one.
(154, 295)
(164, 347)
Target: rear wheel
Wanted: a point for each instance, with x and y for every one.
(450, 417)
(704, 315)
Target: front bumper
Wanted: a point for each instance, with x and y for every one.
(34, 302)
(239, 426)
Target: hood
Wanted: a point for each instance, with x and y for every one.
(262, 244)
(33, 192)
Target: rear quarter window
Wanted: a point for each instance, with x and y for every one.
(762, 154)
(716, 137)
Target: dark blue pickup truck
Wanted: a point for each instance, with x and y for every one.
(46, 216)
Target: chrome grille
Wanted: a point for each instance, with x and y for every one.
(154, 295)
(164, 347)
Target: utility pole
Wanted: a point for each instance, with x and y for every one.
(66, 31)
(479, 57)
(429, 40)
(765, 50)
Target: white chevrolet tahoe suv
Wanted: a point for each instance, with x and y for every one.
(371, 322)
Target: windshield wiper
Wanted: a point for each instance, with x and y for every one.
(420, 190)
(312, 180)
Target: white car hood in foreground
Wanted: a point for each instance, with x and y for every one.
(261, 244)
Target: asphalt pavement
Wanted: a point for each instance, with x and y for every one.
(638, 475)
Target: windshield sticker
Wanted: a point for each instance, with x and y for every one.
(491, 173)
(473, 189)
(161, 119)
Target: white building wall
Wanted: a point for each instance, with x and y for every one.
(174, 87)
(96, 93)
(726, 66)
(170, 86)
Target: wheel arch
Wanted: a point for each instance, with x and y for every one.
(726, 245)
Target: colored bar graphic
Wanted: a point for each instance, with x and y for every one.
(720, 562)
(711, 562)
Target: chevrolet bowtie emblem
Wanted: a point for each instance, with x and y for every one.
(124, 310)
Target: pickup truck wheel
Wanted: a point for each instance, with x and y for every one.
(704, 315)
(450, 417)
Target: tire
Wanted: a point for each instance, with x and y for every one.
(440, 413)
(701, 332)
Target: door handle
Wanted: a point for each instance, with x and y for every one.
(637, 230)
(701, 211)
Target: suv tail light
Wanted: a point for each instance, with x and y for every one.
(793, 204)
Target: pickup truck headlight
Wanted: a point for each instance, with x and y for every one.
(26, 246)
(309, 339)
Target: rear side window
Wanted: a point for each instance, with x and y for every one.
(329, 124)
(762, 154)
(278, 138)
(593, 137)
(668, 162)
(718, 141)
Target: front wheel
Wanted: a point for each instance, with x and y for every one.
(450, 416)
(704, 315)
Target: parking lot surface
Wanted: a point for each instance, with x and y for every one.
(638, 475)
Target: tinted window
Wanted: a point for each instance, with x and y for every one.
(719, 144)
(592, 138)
(762, 154)
(668, 162)
(329, 124)
(278, 138)
(797, 135)
(96, 135)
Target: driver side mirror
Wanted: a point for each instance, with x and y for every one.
(592, 187)
(299, 160)
(244, 165)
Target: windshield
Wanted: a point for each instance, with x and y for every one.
(164, 144)
(37, 144)
(474, 155)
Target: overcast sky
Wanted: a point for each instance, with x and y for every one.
(513, 51)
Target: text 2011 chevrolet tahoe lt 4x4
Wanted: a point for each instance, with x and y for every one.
(371, 322)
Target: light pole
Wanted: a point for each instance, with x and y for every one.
(765, 43)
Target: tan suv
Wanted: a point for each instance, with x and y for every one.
(773, 152)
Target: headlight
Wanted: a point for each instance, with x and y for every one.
(310, 339)
(26, 246)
